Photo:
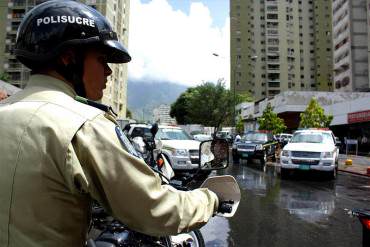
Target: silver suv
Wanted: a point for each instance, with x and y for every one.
(179, 147)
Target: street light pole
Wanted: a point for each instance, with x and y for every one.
(234, 84)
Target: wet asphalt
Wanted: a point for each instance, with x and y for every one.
(305, 210)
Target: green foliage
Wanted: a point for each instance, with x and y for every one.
(314, 116)
(4, 77)
(180, 109)
(270, 121)
(208, 104)
(128, 113)
(239, 125)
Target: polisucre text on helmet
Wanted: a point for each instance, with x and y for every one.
(65, 19)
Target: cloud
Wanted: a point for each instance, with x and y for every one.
(169, 45)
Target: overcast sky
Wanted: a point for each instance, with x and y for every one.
(173, 40)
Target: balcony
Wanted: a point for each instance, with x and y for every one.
(271, 8)
(271, 3)
(14, 67)
(273, 61)
(274, 84)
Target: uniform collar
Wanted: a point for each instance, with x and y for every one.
(52, 83)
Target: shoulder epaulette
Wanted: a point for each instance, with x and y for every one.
(105, 108)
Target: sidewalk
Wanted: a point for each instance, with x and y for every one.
(359, 164)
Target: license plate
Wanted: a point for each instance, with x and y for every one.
(304, 167)
(245, 155)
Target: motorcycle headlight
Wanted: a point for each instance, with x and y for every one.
(180, 152)
(285, 153)
(327, 154)
(259, 147)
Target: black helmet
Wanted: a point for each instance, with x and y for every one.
(54, 25)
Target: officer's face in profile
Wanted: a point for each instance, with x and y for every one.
(96, 71)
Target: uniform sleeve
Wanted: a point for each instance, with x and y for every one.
(127, 187)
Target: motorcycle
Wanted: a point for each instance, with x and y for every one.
(112, 233)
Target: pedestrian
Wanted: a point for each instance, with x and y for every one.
(58, 154)
(237, 138)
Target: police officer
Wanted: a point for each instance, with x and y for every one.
(57, 154)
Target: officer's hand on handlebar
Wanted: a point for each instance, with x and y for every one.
(225, 207)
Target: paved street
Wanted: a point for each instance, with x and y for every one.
(295, 212)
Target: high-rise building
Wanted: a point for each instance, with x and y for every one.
(116, 11)
(277, 46)
(351, 39)
(161, 115)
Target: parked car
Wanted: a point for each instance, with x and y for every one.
(255, 145)
(202, 137)
(133, 130)
(181, 150)
(179, 147)
(283, 138)
(225, 135)
(311, 149)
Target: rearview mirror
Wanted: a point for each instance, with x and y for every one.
(214, 154)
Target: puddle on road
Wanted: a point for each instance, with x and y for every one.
(216, 232)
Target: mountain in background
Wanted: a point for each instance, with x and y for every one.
(144, 96)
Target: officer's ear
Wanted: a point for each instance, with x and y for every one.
(68, 56)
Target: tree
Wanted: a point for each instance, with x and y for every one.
(128, 113)
(314, 116)
(180, 109)
(270, 121)
(239, 125)
(4, 77)
(208, 104)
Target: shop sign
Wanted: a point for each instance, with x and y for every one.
(357, 117)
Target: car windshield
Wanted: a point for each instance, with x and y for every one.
(222, 134)
(141, 131)
(172, 134)
(255, 137)
(312, 138)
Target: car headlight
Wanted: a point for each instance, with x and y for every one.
(259, 147)
(327, 154)
(285, 153)
(180, 152)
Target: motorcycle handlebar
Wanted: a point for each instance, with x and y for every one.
(225, 207)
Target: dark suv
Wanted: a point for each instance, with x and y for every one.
(255, 145)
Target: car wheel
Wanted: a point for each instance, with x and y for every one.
(264, 158)
(284, 173)
(333, 174)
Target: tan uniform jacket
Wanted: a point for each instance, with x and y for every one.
(56, 154)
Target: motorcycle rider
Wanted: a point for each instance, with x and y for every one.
(57, 154)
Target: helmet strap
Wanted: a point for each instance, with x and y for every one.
(73, 72)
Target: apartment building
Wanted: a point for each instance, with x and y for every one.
(351, 39)
(161, 115)
(116, 11)
(277, 46)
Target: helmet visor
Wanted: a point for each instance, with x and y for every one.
(117, 53)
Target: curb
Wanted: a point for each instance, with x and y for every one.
(356, 173)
